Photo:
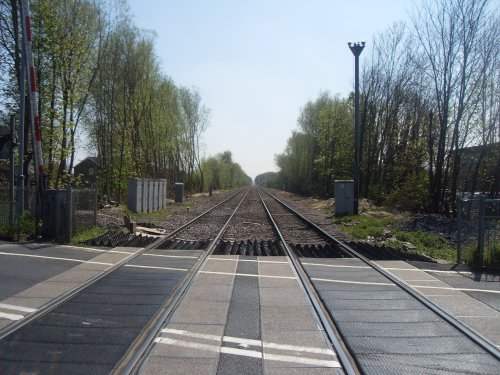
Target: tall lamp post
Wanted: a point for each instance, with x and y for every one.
(356, 49)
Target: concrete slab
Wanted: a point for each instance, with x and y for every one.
(291, 296)
(191, 342)
(274, 282)
(48, 289)
(30, 302)
(275, 269)
(207, 327)
(487, 326)
(214, 279)
(208, 292)
(465, 307)
(292, 338)
(77, 275)
(180, 366)
(287, 319)
(296, 341)
(214, 265)
(201, 312)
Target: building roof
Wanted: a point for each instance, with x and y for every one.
(92, 159)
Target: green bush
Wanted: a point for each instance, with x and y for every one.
(23, 226)
(491, 255)
(413, 195)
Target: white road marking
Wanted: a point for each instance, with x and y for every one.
(248, 353)
(249, 342)
(389, 268)
(16, 308)
(351, 282)
(157, 268)
(333, 265)
(427, 270)
(249, 260)
(242, 341)
(195, 335)
(401, 269)
(242, 352)
(459, 289)
(11, 316)
(198, 346)
(172, 256)
(295, 348)
(223, 259)
(91, 261)
(249, 275)
(83, 248)
(43, 257)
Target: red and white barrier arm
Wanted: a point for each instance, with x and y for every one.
(34, 118)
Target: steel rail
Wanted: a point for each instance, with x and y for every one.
(472, 334)
(58, 301)
(134, 358)
(349, 364)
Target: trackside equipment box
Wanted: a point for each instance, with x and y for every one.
(344, 197)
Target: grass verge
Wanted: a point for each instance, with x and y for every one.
(147, 216)
(87, 235)
(382, 230)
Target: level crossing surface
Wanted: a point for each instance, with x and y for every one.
(89, 333)
(240, 314)
(243, 315)
(389, 331)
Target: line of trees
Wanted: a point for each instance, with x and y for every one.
(98, 75)
(221, 172)
(430, 90)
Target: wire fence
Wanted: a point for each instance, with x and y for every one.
(67, 212)
(478, 232)
(63, 213)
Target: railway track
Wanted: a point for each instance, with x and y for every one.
(117, 320)
(89, 328)
(443, 324)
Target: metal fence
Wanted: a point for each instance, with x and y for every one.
(63, 213)
(478, 230)
(66, 212)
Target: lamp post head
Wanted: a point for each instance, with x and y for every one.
(356, 48)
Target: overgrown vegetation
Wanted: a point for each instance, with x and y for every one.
(87, 234)
(429, 115)
(382, 230)
(22, 228)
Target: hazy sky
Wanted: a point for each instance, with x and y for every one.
(256, 63)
